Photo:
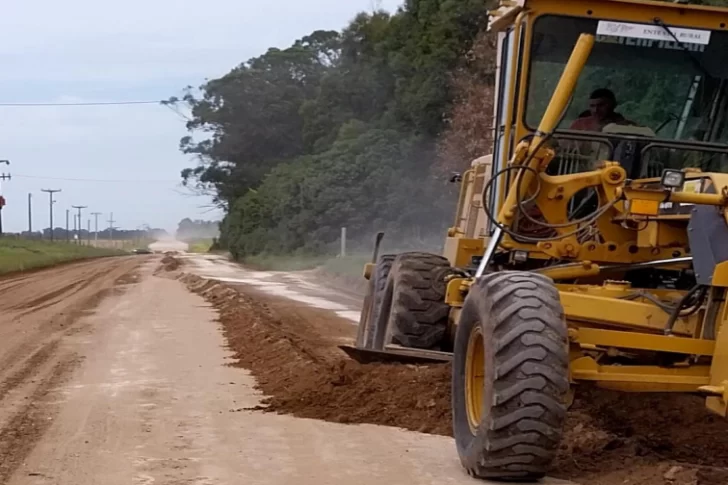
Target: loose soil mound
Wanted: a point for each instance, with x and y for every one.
(643, 439)
(611, 438)
(299, 374)
(170, 263)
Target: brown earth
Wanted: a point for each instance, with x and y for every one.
(38, 310)
(170, 263)
(611, 438)
(302, 372)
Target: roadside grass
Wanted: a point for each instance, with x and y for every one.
(142, 243)
(20, 255)
(199, 245)
(267, 262)
(332, 271)
(347, 271)
(352, 265)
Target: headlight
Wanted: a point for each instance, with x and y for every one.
(672, 179)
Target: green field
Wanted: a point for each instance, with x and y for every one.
(20, 255)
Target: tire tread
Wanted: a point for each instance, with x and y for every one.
(523, 429)
(419, 315)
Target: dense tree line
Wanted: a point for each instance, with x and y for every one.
(60, 234)
(339, 129)
(356, 128)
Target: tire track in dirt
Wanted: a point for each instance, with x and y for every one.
(29, 367)
(17, 282)
(64, 293)
(23, 430)
(48, 298)
(21, 333)
(36, 315)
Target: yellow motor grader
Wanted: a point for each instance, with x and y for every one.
(592, 246)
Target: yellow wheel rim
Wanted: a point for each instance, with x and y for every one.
(475, 377)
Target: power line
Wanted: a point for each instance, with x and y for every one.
(81, 103)
(127, 181)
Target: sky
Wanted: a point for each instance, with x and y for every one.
(124, 159)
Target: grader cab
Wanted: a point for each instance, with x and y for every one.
(592, 246)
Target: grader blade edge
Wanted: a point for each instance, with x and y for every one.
(394, 354)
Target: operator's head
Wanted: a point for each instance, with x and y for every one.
(602, 103)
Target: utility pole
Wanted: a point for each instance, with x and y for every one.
(30, 215)
(3, 177)
(50, 203)
(88, 232)
(76, 228)
(68, 229)
(111, 222)
(2, 199)
(79, 207)
(96, 227)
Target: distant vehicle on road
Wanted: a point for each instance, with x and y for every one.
(142, 251)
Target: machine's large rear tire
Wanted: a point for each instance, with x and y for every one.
(413, 311)
(510, 377)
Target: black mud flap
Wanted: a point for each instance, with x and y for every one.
(395, 354)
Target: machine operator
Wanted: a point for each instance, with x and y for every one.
(602, 104)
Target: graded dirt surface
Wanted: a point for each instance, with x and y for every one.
(146, 395)
(40, 312)
(291, 349)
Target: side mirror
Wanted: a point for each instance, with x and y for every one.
(456, 177)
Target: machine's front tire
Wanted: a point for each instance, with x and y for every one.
(413, 311)
(510, 377)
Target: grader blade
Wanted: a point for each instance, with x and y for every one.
(396, 354)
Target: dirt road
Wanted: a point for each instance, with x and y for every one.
(40, 315)
(112, 374)
(137, 392)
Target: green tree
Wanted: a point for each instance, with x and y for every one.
(251, 116)
(339, 129)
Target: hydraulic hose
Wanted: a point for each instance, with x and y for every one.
(696, 293)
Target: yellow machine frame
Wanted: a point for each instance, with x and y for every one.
(600, 322)
(514, 19)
